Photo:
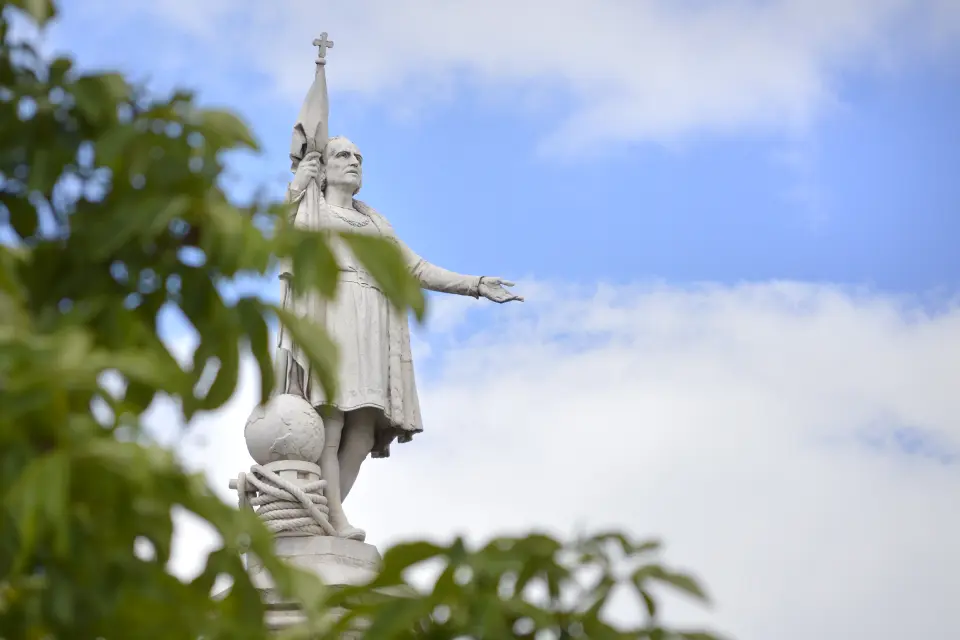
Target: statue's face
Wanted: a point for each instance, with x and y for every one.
(343, 164)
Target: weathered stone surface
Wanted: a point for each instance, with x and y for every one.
(285, 428)
(337, 561)
(376, 401)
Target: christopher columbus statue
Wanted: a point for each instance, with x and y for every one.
(376, 400)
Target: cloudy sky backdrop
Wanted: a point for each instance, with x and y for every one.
(737, 225)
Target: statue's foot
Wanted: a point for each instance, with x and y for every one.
(346, 530)
(352, 533)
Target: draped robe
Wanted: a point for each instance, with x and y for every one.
(375, 367)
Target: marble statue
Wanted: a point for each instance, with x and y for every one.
(377, 399)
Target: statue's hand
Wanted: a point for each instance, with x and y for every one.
(307, 171)
(493, 289)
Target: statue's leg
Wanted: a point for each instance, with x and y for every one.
(358, 440)
(330, 468)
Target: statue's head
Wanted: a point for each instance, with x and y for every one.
(342, 166)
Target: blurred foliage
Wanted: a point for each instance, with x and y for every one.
(111, 215)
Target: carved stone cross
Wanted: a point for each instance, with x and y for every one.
(324, 44)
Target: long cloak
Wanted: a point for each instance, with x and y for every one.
(375, 368)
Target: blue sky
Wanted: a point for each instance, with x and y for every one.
(864, 195)
(724, 217)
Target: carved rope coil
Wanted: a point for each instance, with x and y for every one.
(284, 505)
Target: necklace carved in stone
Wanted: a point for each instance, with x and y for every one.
(353, 223)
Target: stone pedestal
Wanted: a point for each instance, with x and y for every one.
(336, 561)
(285, 437)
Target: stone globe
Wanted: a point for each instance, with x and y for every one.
(285, 428)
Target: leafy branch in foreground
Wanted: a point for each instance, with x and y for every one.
(511, 587)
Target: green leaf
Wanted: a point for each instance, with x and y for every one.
(23, 217)
(649, 602)
(39, 499)
(42, 11)
(97, 95)
(154, 369)
(114, 85)
(695, 635)
(117, 227)
(226, 128)
(88, 97)
(396, 617)
(314, 265)
(599, 595)
(243, 604)
(401, 557)
(9, 539)
(679, 581)
(112, 143)
(228, 373)
(258, 334)
(385, 262)
(626, 544)
(61, 602)
(308, 590)
(59, 69)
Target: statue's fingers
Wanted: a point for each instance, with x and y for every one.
(507, 283)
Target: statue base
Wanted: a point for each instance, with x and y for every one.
(338, 562)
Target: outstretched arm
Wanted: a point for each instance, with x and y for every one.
(434, 278)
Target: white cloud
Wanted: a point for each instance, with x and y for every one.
(656, 70)
(755, 428)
